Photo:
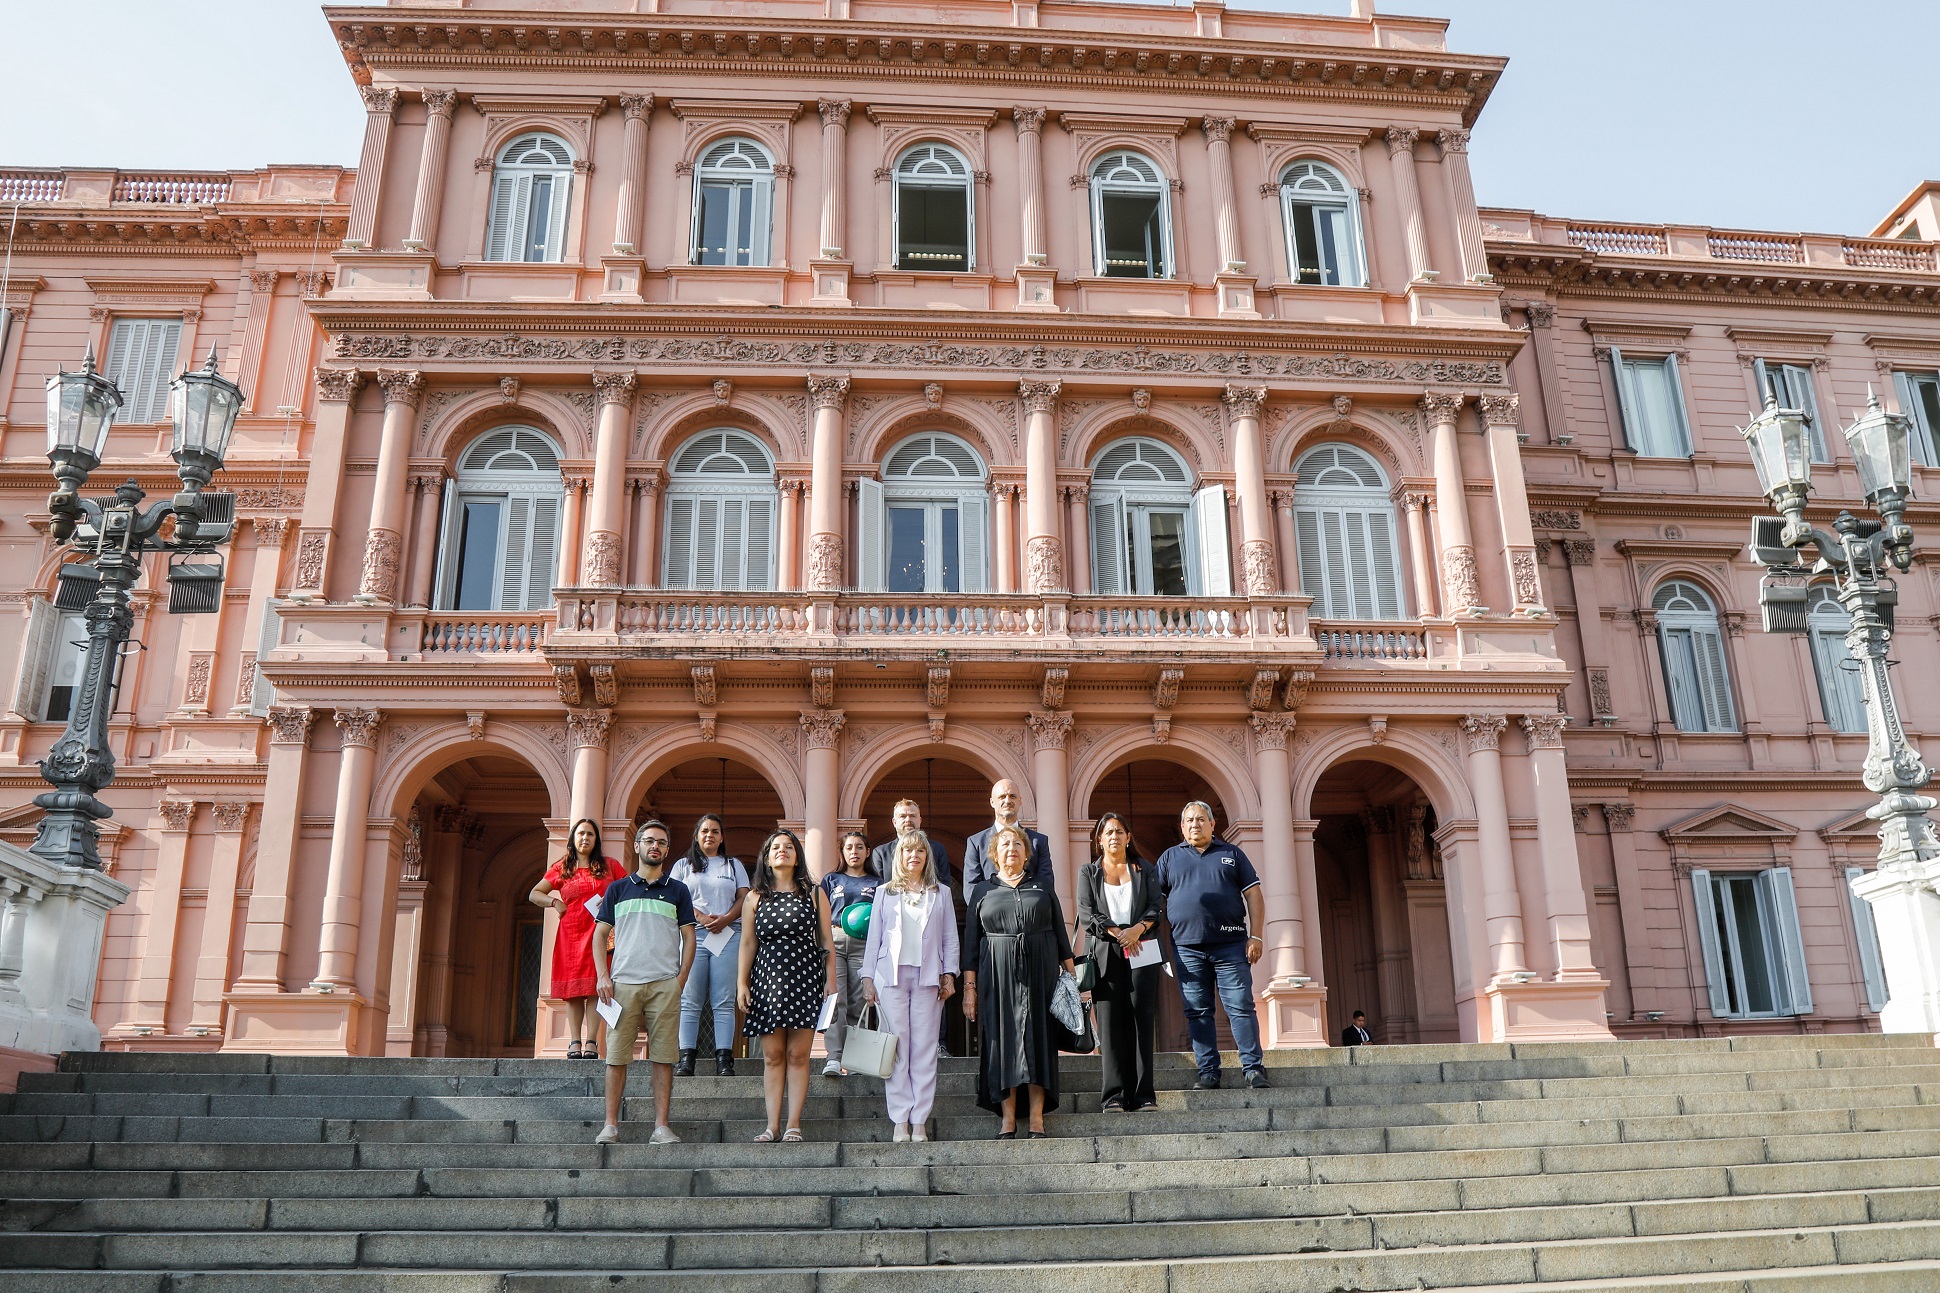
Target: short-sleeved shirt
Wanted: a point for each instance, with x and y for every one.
(647, 917)
(1202, 893)
(843, 889)
(713, 890)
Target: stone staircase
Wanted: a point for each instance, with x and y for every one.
(1797, 1163)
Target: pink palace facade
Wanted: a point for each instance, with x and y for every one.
(782, 408)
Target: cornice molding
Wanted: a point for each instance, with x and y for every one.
(1562, 270)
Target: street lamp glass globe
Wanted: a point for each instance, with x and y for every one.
(1879, 444)
(81, 410)
(203, 406)
(1781, 449)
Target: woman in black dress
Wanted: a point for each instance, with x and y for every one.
(1014, 946)
(786, 970)
(1118, 905)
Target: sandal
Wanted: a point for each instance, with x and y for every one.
(793, 1135)
(572, 1050)
(765, 1138)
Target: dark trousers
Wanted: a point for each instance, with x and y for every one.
(1125, 1007)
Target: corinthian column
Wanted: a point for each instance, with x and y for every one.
(637, 109)
(587, 730)
(1407, 193)
(431, 168)
(1512, 503)
(1043, 548)
(1249, 473)
(821, 775)
(1461, 591)
(1030, 180)
(1049, 775)
(403, 389)
(1219, 155)
(343, 889)
(336, 390)
(605, 528)
(830, 396)
(1461, 201)
(835, 139)
(380, 107)
(1501, 899)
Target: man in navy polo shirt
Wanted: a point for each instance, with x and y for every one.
(1212, 897)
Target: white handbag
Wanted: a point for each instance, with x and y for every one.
(868, 1051)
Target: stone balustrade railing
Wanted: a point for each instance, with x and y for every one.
(91, 188)
(484, 632)
(189, 190)
(30, 186)
(1371, 641)
(1700, 242)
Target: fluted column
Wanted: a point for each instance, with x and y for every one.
(1567, 911)
(1512, 503)
(830, 397)
(1249, 480)
(431, 168)
(1501, 900)
(336, 389)
(403, 388)
(344, 882)
(1461, 590)
(380, 109)
(821, 775)
(606, 527)
(1005, 537)
(1219, 156)
(1407, 193)
(646, 573)
(1461, 201)
(429, 490)
(1030, 181)
(265, 569)
(1077, 524)
(1286, 932)
(835, 148)
(637, 109)
(266, 932)
(163, 919)
(572, 529)
(1050, 788)
(587, 730)
(1043, 546)
(218, 917)
(1420, 551)
(1282, 502)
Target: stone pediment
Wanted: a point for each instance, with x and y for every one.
(1730, 823)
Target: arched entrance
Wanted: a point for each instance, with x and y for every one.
(1383, 907)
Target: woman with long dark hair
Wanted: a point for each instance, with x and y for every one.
(1118, 905)
(855, 884)
(585, 872)
(787, 968)
(717, 883)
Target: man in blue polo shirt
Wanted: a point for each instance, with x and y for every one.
(651, 918)
(1212, 897)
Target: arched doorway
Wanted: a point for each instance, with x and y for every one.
(1383, 906)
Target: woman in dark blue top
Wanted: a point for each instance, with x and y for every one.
(855, 883)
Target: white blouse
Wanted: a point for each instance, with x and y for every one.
(1118, 903)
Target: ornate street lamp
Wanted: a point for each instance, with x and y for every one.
(1905, 889)
(114, 535)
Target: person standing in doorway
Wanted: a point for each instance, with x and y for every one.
(855, 884)
(1212, 898)
(651, 920)
(1356, 1033)
(1118, 906)
(584, 873)
(719, 884)
(787, 966)
(906, 817)
(978, 864)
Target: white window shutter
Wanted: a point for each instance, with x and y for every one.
(452, 520)
(262, 695)
(1627, 411)
(1794, 984)
(707, 543)
(1313, 561)
(1674, 394)
(761, 244)
(1208, 518)
(1707, 931)
(544, 562)
(562, 192)
(1921, 441)
(1385, 561)
(872, 531)
(506, 221)
(1681, 677)
(974, 555)
(1840, 691)
(515, 561)
(761, 544)
(681, 525)
(1108, 574)
(1867, 936)
(36, 660)
(734, 563)
(1714, 681)
(1335, 541)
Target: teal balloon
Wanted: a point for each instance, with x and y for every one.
(855, 919)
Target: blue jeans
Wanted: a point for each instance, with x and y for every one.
(712, 984)
(1202, 970)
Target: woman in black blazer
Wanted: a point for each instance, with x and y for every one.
(1118, 905)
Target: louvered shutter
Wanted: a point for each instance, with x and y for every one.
(1680, 428)
(261, 694)
(1789, 976)
(1384, 560)
(680, 543)
(542, 568)
(707, 543)
(1715, 680)
(515, 566)
(1313, 560)
(1627, 412)
(1840, 691)
(1921, 441)
(36, 660)
(1681, 676)
(733, 562)
(446, 575)
(975, 551)
(760, 243)
(1334, 543)
(1799, 394)
(505, 236)
(1108, 574)
(872, 529)
(761, 544)
(562, 191)
(1866, 934)
(1706, 899)
(141, 354)
(1208, 518)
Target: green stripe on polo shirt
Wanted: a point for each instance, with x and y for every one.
(647, 907)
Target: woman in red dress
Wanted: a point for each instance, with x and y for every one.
(585, 872)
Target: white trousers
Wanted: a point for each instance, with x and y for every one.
(913, 1014)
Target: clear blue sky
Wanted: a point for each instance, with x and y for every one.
(1772, 114)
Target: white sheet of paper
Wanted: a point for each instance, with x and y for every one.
(717, 941)
(609, 1011)
(593, 906)
(827, 1016)
(1148, 954)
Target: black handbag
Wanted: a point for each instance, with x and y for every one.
(1082, 1042)
(1087, 969)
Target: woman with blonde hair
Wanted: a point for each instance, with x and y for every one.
(909, 969)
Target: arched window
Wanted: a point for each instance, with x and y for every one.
(935, 212)
(1151, 536)
(1693, 651)
(1840, 691)
(1343, 522)
(500, 549)
(530, 187)
(922, 525)
(734, 189)
(721, 514)
(1131, 217)
(1323, 226)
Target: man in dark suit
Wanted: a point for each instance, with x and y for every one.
(1357, 1033)
(977, 866)
(906, 816)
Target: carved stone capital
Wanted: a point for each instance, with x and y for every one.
(290, 724)
(176, 813)
(1452, 140)
(1219, 130)
(1039, 396)
(1484, 731)
(1401, 140)
(1029, 120)
(1541, 314)
(379, 101)
(338, 385)
(439, 103)
(1270, 731)
(1244, 401)
(634, 107)
(1545, 731)
(1498, 410)
(1440, 409)
(1049, 731)
(828, 392)
(823, 727)
(359, 727)
(835, 112)
(1619, 816)
(229, 816)
(1044, 555)
(401, 386)
(263, 280)
(1579, 552)
(587, 728)
(614, 388)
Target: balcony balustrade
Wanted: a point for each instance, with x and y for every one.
(494, 633)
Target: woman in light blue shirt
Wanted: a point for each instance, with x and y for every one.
(718, 883)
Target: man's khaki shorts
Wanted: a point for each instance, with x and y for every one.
(655, 1004)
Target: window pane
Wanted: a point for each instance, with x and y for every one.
(1656, 409)
(539, 220)
(1132, 235)
(477, 556)
(1168, 553)
(905, 549)
(1734, 989)
(934, 228)
(711, 242)
(951, 581)
(1749, 932)
(1305, 245)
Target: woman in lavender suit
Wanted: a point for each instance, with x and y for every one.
(910, 968)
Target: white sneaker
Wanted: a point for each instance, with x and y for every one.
(902, 1133)
(919, 1131)
(663, 1136)
(608, 1135)
(832, 1069)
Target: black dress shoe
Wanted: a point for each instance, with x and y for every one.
(685, 1066)
(1207, 1082)
(723, 1063)
(1256, 1078)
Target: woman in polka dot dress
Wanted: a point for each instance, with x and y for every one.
(786, 971)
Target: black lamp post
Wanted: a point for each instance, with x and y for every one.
(115, 534)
